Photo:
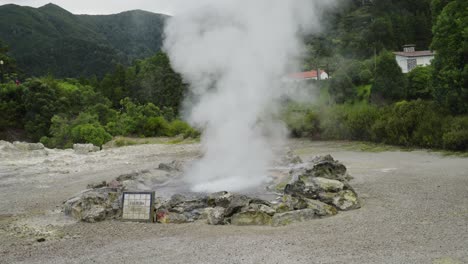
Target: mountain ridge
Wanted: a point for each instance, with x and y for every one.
(52, 40)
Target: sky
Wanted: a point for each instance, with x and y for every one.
(107, 6)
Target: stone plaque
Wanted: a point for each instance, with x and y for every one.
(138, 206)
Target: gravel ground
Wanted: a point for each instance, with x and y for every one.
(415, 210)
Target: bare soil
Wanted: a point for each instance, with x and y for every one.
(415, 210)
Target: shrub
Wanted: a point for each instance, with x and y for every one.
(349, 121)
(301, 120)
(156, 126)
(342, 88)
(90, 133)
(416, 123)
(179, 127)
(389, 82)
(419, 83)
(456, 137)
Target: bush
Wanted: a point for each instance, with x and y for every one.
(301, 120)
(156, 126)
(90, 133)
(389, 82)
(416, 123)
(349, 121)
(178, 127)
(456, 137)
(419, 83)
(342, 88)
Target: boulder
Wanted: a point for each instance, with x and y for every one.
(287, 218)
(259, 208)
(215, 216)
(320, 208)
(236, 203)
(171, 218)
(346, 200)
(95, 205)
(326, 185)
(290, 158)
(290, 203)
(324, 167)
(192, 208)
(85, 148)
(327, 167)
(28, 146)
(172, 166)
(251, 218)
(7, 146)
(221, 199)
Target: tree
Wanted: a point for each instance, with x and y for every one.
(41, 102)
(389, 81)
(158, 83)
(342, 88)
(451, 45)
(419, 83)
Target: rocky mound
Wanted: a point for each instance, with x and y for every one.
(319, 188)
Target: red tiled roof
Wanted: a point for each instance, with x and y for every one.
(305, 75)
(421, 53)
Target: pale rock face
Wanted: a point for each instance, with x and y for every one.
(28, 146)
(85, 148)
(327, 185)
(346, 200)
(251, 218)
(215, 216)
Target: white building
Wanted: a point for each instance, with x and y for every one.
(409, 58)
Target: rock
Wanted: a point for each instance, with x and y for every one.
(327, 167)
(28, 146)
(171, 218)
(192, 208)
(320, 209)
(290, 203)
(251, 218)
(85, 148)
(326, 197)
(172, 166)
(346, 200)
(289, 158)
(327, 185)
(97, 185)
(302, 187)
(221, 199)
(293, 217)
(215, 216)
(236, 203)
(324, 167)
(95, 205)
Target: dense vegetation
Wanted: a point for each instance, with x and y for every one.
(141, 100)
(370, 98)
(50, 40)
(367, 98)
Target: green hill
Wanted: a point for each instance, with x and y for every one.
(52, 40)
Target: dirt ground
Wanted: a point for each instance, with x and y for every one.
(415, 210)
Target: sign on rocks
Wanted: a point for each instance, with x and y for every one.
(317, 189)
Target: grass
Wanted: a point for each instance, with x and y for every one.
(364, 146)
(130, 141)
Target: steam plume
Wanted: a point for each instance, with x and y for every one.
(233, 54)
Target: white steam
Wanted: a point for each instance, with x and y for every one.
(234, 54)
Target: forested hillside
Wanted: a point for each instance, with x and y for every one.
(51, 40)
(367, 98)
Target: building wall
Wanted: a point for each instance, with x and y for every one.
(425, 61)
(402, 62)
(420, 61)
